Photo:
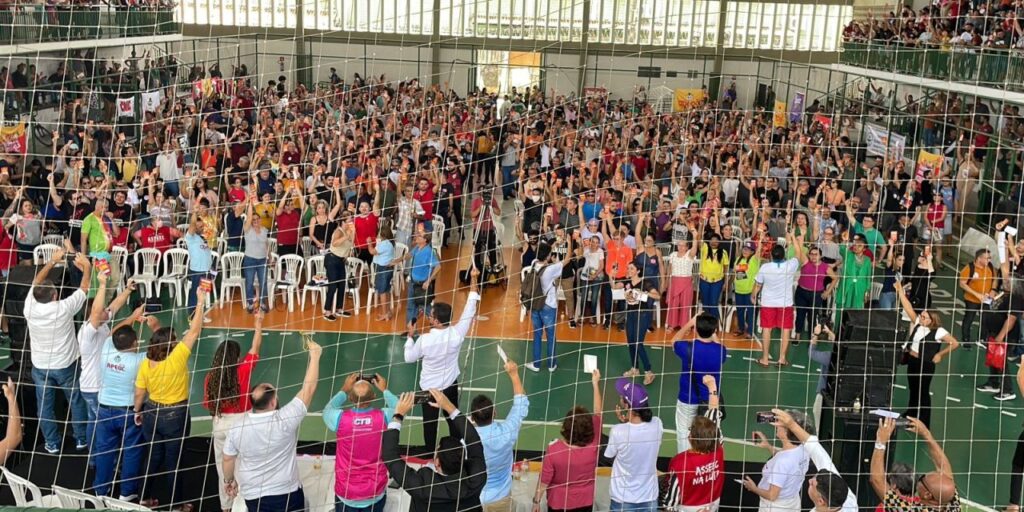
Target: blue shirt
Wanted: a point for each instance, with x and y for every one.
(591, 211)
(117, 375)
(423, 263)
(498, 439)
(199, 257)
(699, 358)
(385, 253)
(233, 229)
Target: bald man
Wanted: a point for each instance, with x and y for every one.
(935, 490)
(361, 479)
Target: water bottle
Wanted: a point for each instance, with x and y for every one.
(856, 405)
(515, 472)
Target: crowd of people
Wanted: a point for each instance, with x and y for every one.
(710, 220)
(947, 24)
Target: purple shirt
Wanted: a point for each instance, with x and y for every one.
(812, 276)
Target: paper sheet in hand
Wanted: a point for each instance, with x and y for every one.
(502, 354)
(885, 414)
(1010, 230)
(618, 294)
(589, 363)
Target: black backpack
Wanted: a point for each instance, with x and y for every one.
(532, 294)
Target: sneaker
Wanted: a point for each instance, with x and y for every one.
(131, 497)
(532, 367)
(330, 317)
(52, 450)
(343, 314)
(572, 324)
(207, 320)
(981, 344)
(1005, 395)
(81, 445)
(1014, 357)
(988, 388)
(552, 369)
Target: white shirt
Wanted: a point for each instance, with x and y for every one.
(90, 342)
(822, 460)
(549, 274)
(51, 330)
(785, 470)
(167, 162)
(264, 444)
(924, 332)
(777, 280)
(634, 446)
(439, 349)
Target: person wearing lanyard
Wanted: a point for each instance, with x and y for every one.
(161, 401)
(439, 350)
(747, 267)
(618, 258)
(810, 287)
(423, 270)
(713, 262)
(98, 233)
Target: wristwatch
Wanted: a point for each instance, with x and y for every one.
(229, 481)
(713, 393)
(879, 446)
(398, 417)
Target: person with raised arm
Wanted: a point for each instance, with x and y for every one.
(701, 356)
(54, 350)
(935, 491)
(259, 455)
(827, 489)
(499, 440)
(698, 473)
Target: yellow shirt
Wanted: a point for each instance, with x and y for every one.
(166, 381)
(712, 269)
(265, 211)
(129, 168)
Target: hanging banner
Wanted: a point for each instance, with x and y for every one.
(929, 165)
(151, 101)
(591, 92)
(687, 99)
(779, 118)
(796, 109)
(126, 107)
(825, 121)
(880, 140)
(14, 139)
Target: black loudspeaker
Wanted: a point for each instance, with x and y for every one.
(864, 362)
(760, 96)
(850, 438)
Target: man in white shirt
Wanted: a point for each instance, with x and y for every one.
(261, 451)
(91, 336)
(439, 349)
(775, 282)
(826, 488)
(634, 445)
(54, 350)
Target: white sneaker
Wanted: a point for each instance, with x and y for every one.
(553, 368)
(532, 368)
(207, 320)
(988, 388)
(1002, 397)
(132, 498)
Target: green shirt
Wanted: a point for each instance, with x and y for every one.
(97, 238)
(855, 281)
(746, 271)
(871, 236)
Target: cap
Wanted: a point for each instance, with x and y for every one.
(634, 394)
(750, 246)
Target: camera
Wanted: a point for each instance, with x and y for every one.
(765, 417)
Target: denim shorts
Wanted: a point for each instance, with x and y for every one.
(382, 278)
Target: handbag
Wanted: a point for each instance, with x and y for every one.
(995, 357)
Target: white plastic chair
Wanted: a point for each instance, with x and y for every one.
(147, 270)
(288, 272)
(437, 234)
(175, 274)
(271, 246)
(307, 247)
(116, 504)
(21, 488)
(876, 291)
(43, 253)
(57, 240)
(398, 282)
(76, 500)
(355, 271)
(522, 279)
(120, 254)
(314, 267)
(231, 276)
(371, 291)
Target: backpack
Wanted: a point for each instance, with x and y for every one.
(971, 272)
(532, 294)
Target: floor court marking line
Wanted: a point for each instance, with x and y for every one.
(953, 399)
(899, 386)
(1008, 413)
(980, 406)
(479, 390)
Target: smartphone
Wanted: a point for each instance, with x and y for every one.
(766, 417)
(368, 377)
(206, 285)
(422, 397)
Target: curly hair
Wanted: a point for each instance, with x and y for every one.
(222, 387)
(578, 426)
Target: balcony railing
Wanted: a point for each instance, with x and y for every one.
(988, 67)
(27, 24)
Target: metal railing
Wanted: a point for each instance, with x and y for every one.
(989, 67)
(27, 24)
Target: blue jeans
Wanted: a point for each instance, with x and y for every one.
(255, 271)
(710, 296)
(418, 300)
(544, 323)
(117, 435)
(591, 293)
(92, 408)
(822, 357)
(172, 189)
(637, 323)
(649, 506)
(291, 502)
(47, 382)
(887, 301)
(336, 283)
(507, 182)
(746, 313)
(808, 305)
(165, 429)
(376, 507)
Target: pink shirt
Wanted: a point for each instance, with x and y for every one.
(568, 471)
(812, 276)
(359, 474)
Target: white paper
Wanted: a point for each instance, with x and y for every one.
(885, 414)
(642, 297)
(502, 354)
(618, 294)
(589, 363)
(1010, 230)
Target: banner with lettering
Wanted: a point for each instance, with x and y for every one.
(687, 99)
(796, 109)
(779, 119)
(14, 139)
(825, 121)
(928, 166)
(881, 141)
(151, 101)
(126, 107)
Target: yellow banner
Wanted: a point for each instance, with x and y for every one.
(14, 139)
(687, 99)
(929, 165)
(779, 118)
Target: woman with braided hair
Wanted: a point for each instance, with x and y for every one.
(226, 395)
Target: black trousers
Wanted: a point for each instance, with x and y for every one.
(919, 383)
(1017, 472)
(431, 413)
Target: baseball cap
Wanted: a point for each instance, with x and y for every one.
(634, 394)
(750, 245)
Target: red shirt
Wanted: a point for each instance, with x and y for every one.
(159, 239)
(366, 228)
(233, 405)
(426, 200)
(288, 228)
(8, 255)
(568, 471)
(701, 476)
(236, 195)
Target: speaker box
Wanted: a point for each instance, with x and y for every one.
(863, 366)
(850, 438)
